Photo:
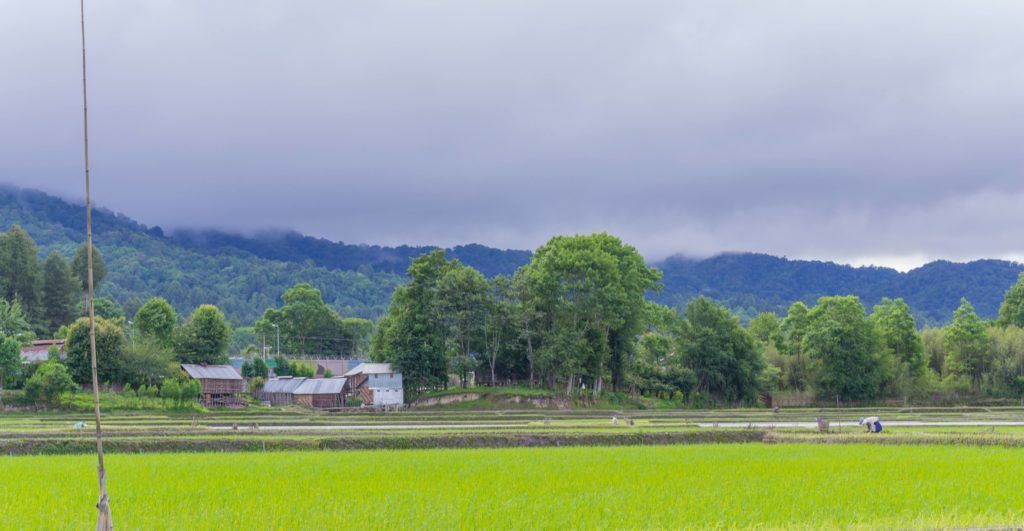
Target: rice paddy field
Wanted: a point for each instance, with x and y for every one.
(680, 486)
(518, 469)
(28, 433)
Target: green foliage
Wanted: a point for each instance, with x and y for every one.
(412, 336)
(48, 382)
(1011, 312)
(766, 327)
(846, 350)
(148, 362)
(110, 360)
(20, 276)
(720, 353)
(749, 283)
(13, 322)
(255, 368)
(969, 352)
(204, 338)
(10, 362)
(934, 342)
(284, 367)
(181, 394)
(899, 334)
(60, 293)
(80, 267)
(106, 308)
(142, 262)
(1007, 366)
(156, 320)
(309, 327)
(463, 305)
(591, 290)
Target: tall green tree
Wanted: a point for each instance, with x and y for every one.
(463, 306)
(205, 337)
(934, 342)
(20, 276)
(110, 341)
(309, 327)
(969, 353)
(591, 289)
(790, 342)
(412, 336)
(893, 321)
(1011, 312)
(846, 350)
(156, 320)
(1007, 366)
(60, 293)
(720, 353)
(79, 266)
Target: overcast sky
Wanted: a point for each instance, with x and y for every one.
(862, 132)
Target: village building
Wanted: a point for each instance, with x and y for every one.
(321, 393)
(221, 384)
(39, 351)
(280, 391)
(376, 384)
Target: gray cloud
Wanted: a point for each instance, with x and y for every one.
(862, 132)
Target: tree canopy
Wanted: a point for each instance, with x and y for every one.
(204, 338)
(845, 349)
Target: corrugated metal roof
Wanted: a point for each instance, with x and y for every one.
(282, 385)
(320, 386)
(371, 368)
(211, 372)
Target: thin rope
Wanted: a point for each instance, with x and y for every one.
(103, 520)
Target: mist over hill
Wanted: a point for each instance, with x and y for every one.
(245, 274)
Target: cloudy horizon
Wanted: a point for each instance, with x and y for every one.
(864, 134)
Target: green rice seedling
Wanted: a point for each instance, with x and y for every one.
(695, 486)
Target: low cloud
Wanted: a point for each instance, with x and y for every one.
(866, 132)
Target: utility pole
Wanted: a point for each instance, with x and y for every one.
(103, 520)
(277, 330)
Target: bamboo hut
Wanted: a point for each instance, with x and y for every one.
(221, 384)
(321, 393)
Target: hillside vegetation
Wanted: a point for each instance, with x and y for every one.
(244, 275)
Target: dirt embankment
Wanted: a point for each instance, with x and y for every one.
(540, 402)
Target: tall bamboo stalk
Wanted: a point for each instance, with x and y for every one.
(103, 520)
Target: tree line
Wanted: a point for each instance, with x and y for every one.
(576, 318)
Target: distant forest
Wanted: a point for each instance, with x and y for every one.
(244, 275)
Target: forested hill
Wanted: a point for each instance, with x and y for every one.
(244, 275)
(291, 246)
(749, 283)
(144, 262)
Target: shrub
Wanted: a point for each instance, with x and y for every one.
(49, 381)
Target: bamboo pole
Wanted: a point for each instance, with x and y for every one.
(103, 520)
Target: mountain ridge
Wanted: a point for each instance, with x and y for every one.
(244, 274)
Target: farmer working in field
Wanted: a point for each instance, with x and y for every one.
(873, 424)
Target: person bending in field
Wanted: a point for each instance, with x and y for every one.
(873, 424)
